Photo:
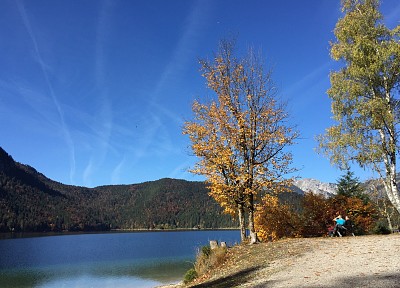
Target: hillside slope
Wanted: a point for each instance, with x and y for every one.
(29, 201)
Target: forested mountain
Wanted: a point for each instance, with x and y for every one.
(29, 201)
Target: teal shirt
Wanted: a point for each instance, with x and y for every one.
(340, 221)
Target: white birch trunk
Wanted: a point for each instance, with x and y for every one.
(390, 166)
(391, 187)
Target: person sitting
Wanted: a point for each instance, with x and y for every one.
(330, 231)
(339, 225)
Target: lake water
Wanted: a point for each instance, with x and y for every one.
(136, 259)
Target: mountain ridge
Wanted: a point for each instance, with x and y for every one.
(316, 186)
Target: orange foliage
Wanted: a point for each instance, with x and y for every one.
(362, 214)
(240, 137)
(274, 220)
(316, 215)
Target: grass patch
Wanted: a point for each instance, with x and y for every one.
(190, 275)
(206, 260)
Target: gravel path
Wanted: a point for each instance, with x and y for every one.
(348, 262)
(369, 261)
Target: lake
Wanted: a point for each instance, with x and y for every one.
(134, 259)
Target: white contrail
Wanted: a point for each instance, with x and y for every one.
(42, 65)
(184, 47)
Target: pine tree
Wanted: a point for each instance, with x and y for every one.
(349, 185)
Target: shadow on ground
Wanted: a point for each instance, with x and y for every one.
(233, 280)
(389, 280)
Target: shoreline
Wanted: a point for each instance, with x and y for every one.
(15, 235)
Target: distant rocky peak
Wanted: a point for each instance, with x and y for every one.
(316, 186)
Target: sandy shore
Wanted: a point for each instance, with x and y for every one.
(363, 261)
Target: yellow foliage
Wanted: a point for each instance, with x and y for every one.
(240, 136)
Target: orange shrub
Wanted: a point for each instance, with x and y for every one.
(274, 220)
(316, 215)
(362, 214)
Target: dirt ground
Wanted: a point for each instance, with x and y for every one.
(362, 261)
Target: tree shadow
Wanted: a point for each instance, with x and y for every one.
(231, 280)
(387, 280)
(377, 280)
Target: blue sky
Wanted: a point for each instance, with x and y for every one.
(96, 92)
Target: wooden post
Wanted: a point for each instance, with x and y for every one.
(213, 244)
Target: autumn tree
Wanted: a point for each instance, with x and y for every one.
(276, 220)
(316, 214)
(364, 215)
(364, 92)
(241, 136)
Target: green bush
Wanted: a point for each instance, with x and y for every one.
(190, 275)
(206, 250)
(381, 228)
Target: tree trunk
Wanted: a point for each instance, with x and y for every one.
(253, 234)
(390, 183)
(242, 223)
(389, 145)
(392, 191)
(386, 214)
(389, 222)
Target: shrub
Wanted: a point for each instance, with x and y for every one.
(206, 250)
(274, 220)
(208, 259)
(381, 228)
(190, 275)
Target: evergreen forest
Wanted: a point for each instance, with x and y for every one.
(31, 202)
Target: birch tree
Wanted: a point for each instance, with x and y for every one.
(240, 137)
(365, 93)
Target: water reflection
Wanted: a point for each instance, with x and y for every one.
(102, 260)
(121, 274)
(100, 282)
